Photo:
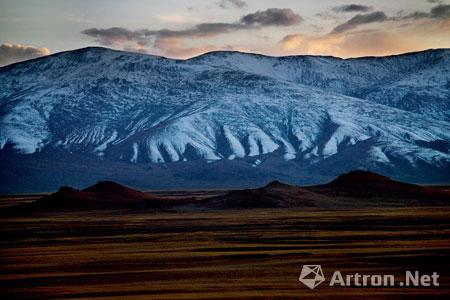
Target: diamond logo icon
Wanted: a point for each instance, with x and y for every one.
(311, 276)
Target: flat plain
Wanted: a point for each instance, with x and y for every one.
(230, 254)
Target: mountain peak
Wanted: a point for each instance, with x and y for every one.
(109, 186)
(360, 175)
(276, 184)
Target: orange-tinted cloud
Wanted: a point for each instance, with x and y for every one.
(361, 19)
(408, 38)
(175, 47)
(298, 43)
(368, 32)
(170, 41)
(11, 53)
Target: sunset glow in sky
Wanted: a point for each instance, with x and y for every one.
(182, 29)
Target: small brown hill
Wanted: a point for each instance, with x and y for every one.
(275, 194)
(108, 191)
(104, 194)
(365, 184)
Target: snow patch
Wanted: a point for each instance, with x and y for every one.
(260, 143)
(134, 158)
(102, 147)
(377, 154)
(235, 145)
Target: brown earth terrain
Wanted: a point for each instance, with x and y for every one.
(109, 241)
(231, 254)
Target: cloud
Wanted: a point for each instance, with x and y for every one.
(327, 15)
(232, 4)
(172, 18)
(11, 53)
(370, 42)
(138, 39)
(362, 43)
(117, 35)
(166, 39)
(199, 30)
(361, 19)
(299, 43)
(272, 17)
(351, 8)
(259, 19)
(441, 11)
(292, 42)
(175, 47)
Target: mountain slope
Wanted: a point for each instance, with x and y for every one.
(302, 114)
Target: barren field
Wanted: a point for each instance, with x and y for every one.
(246, 254)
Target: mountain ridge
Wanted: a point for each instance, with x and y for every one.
(316, 115)
(88, 48)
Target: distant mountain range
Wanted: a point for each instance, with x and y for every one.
(223, 119)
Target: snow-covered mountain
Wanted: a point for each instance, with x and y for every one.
(223, 118)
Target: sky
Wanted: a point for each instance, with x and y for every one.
(183, 29)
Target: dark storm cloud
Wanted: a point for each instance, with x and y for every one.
(441, 11)
(351, 8)
(361, 19)
(142, 37)
(113, 35)
(199, 30)
(232, 4)
(272, 17)
(11, 53)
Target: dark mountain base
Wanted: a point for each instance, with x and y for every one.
(48, 170)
